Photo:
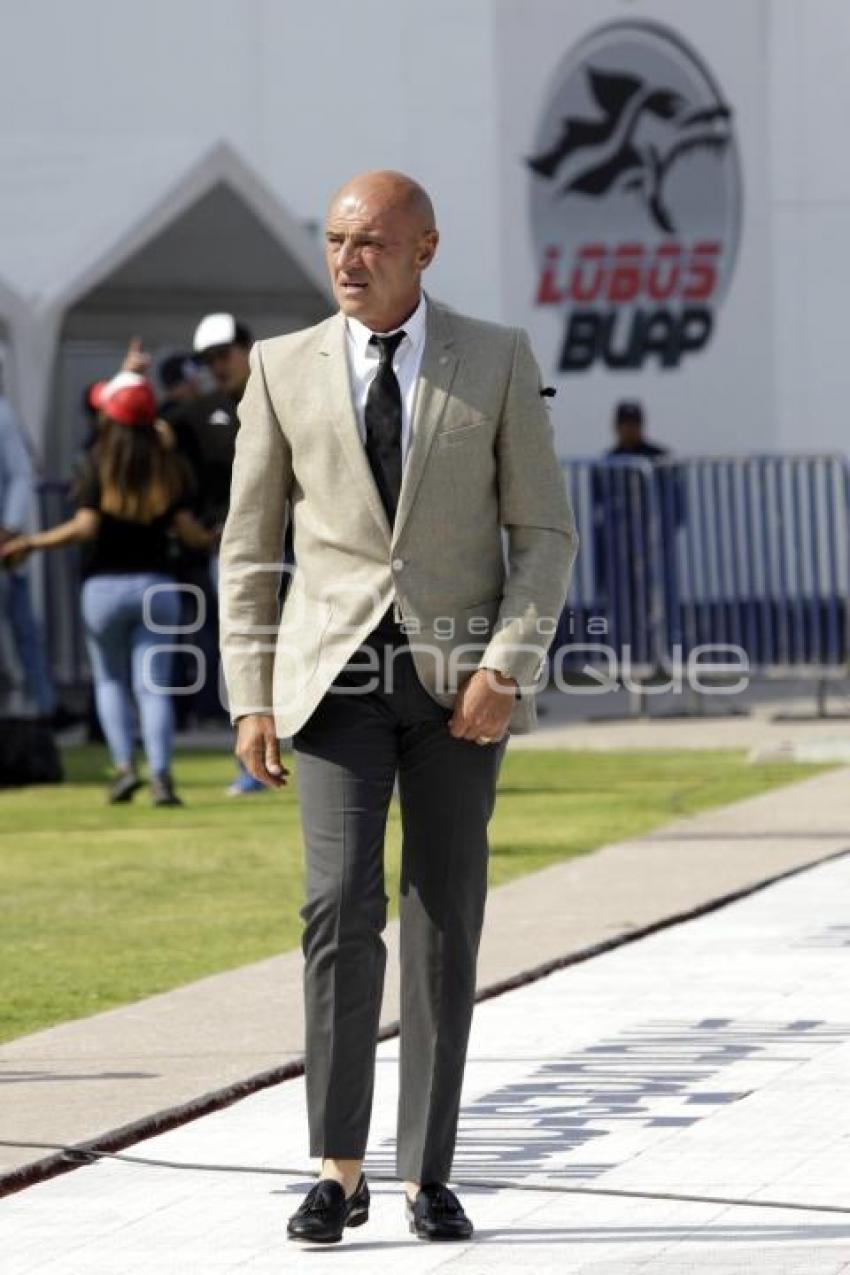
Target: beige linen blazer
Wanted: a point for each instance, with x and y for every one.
(479, 559)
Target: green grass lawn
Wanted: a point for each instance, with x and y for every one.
(103, 905)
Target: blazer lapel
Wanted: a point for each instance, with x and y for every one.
(439, 363)
(341, 411)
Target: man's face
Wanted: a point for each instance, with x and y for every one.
(229, 367)
(376, 248)
(629, 434)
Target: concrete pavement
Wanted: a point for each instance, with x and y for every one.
(768, 720)
(83, 1079)
(612, 1112)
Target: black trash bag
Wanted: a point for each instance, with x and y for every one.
(28, 753)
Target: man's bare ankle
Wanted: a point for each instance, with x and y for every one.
(345, 1172)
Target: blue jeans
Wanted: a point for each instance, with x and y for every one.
(127, 664)
(29, 642)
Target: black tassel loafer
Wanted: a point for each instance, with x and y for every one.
(325, 1212)
(437, 1214)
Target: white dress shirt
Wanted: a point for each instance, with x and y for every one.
(363, 364)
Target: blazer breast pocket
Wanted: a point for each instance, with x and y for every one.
(463, 433)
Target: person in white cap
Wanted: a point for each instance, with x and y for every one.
(222, 343)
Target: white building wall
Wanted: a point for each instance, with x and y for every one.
(311, 91)
(810, 161)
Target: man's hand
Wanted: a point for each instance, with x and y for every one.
(137, 358)
(14, 550)
(258, 750)
(483, 707)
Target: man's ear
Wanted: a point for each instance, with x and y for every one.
(428, 249)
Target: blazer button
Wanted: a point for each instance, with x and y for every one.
(397, 564)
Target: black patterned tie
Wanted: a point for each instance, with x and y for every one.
(383, 424)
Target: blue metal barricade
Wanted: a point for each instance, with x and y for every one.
(756, 557)
(750, 552)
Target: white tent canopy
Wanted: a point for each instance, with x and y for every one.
(96, 245)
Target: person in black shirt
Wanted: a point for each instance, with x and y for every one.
(131, 490)
(180, 376)
(626, 563)
(210, 421)
(631, 441)
(206, 430)
(628, 431)
(222, 344)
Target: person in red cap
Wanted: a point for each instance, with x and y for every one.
(131, 491)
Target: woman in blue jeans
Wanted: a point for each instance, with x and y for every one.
(131, 492)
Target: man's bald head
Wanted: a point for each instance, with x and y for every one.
(381, 234)
(387, 189)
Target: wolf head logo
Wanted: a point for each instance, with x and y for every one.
(640, 134)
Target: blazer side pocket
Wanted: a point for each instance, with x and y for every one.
(302, 630)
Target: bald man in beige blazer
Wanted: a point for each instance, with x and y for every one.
(412, 450)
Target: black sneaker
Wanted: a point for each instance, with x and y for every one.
(437, 1214)
(162, 791)
(325, 1212)
(122, 788)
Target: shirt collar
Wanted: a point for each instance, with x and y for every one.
(414, 329)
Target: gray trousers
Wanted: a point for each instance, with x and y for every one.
(349, 754)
